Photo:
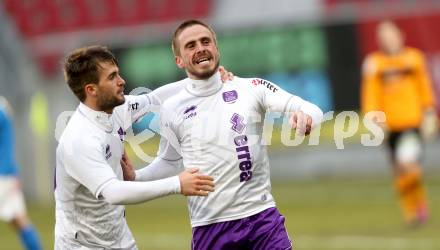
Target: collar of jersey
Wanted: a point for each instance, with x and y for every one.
(206, 87)
(99, 118)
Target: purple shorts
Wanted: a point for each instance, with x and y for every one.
(262, 231)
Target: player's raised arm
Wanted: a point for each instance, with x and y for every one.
(304, 115)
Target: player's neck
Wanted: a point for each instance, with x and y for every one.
(94, 106)
(205, 87)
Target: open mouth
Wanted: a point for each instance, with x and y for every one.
(202, 60)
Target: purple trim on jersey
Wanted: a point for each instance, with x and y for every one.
(230, 96)
(262, 231)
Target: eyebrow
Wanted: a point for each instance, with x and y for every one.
(190, 42)
(201, 38)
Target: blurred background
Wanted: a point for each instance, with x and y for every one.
(332, 198)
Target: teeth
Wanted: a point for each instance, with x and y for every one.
(202, 60)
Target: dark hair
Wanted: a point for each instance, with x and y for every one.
(81, 67)
(184, 25)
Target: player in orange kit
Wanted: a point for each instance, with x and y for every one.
(396, 82)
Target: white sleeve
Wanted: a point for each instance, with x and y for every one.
(296, 103)
(137, 106)
(128, 192)
(84, 161)
(159, 169)
(273, 98)
(134, 107)
(169, 161)
(161, 94)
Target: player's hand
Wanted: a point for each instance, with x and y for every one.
(225, 75)
(430, 125)
(127, 168)
(302, 122)
(192, 183)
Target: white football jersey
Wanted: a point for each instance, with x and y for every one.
(217, 128)
(87, 157)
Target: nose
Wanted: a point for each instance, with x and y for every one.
(121, 81)
(200, 47)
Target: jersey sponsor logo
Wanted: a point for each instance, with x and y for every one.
(243, 154)
(108, 153)
(267, 84)
(230, 96)
(244, 157)
(190, 112)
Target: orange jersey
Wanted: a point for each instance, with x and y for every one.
(399, 86)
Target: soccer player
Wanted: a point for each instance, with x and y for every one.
(395, 81)
(12, 204)
(89, 186)
(217, 128)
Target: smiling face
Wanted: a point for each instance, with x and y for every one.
(197, 52)
(109, 91)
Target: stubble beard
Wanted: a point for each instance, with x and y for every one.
(206, 73)
(109, 102)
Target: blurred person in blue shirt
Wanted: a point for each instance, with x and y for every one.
(12, 205)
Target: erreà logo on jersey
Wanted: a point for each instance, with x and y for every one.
(230, 96)
(190, 112)
(268, 85)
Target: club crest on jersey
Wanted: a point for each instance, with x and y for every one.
(189, 112)
(108, 153)
(265, 83)
(230, 96)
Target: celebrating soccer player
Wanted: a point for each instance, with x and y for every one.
(217, 128)
(90, 190)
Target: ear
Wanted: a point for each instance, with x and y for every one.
(179, 62)
(91, 89)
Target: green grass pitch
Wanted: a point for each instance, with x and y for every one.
(324, 214)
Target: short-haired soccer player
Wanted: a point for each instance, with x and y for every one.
(217, 128)
(90, 190)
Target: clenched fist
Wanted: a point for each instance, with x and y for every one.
(302, 122)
